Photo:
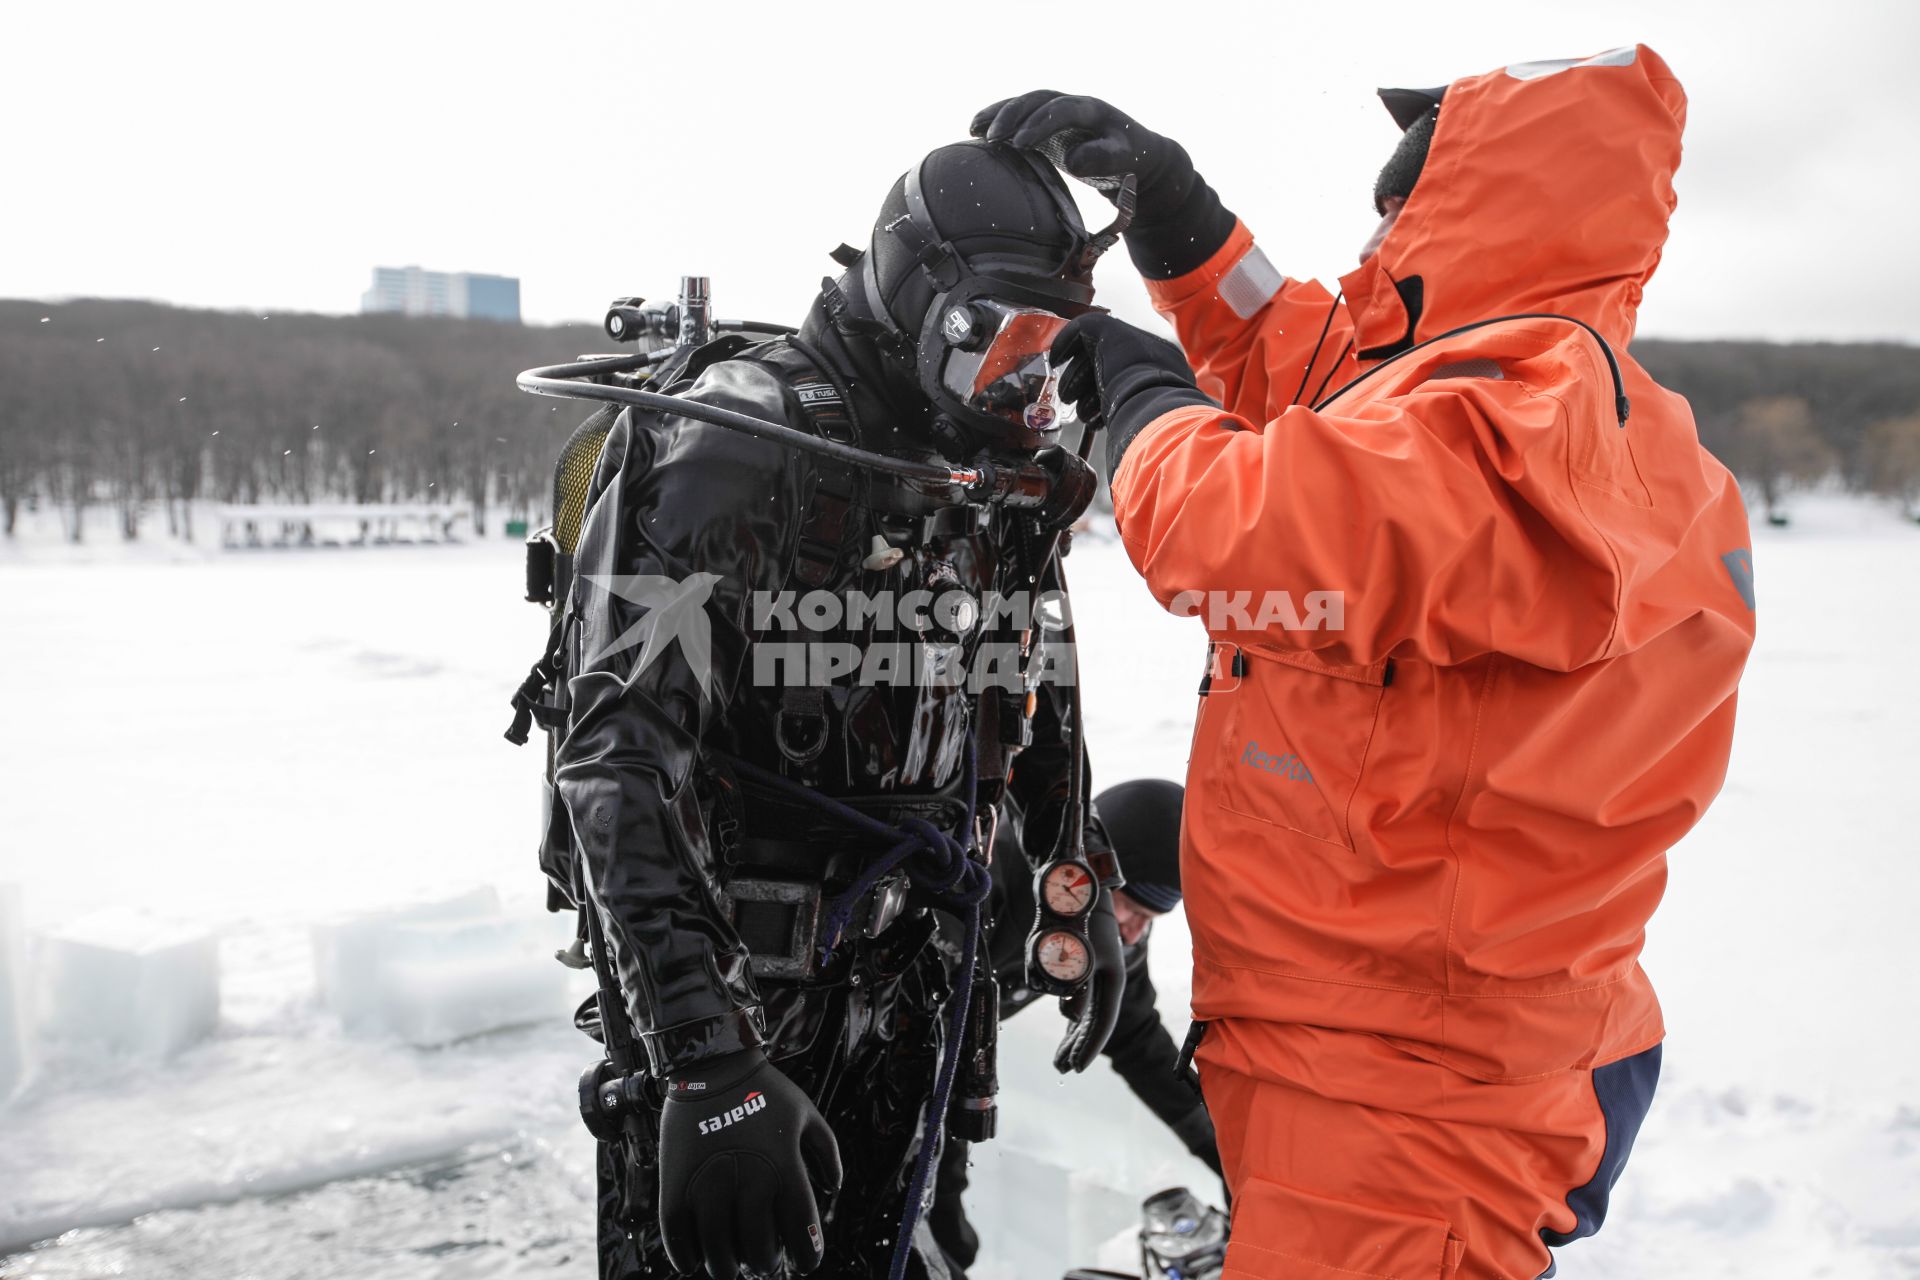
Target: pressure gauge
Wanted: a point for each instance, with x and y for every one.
(1062, 956)
(1068, 889)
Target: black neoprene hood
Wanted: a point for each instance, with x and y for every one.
(992, 206)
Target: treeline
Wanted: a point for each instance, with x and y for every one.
(150, 407)
(1789, 415)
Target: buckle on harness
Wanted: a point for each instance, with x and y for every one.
(781, 921)
(777, 920)
(800, 730)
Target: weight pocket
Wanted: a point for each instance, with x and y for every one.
(1294, 738)
(1282, 1233)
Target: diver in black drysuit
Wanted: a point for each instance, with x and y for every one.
(774, 1073)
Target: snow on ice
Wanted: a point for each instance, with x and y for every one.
(299, 738)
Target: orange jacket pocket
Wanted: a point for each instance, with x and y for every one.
(1293, 740)
(1280, 1233)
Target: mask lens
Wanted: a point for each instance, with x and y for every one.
(1008, 376)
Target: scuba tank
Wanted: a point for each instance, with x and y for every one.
(669, 336)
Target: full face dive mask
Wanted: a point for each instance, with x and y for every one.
(984, 359)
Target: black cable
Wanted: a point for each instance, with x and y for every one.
(1326, 326)
(1331, 370)
(754, 326)
(563, 381)
(1621, 406)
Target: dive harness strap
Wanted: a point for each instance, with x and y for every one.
(801, 730)
(529, 699)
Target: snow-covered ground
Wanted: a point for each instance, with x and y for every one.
(256, 741)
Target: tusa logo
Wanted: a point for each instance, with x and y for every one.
(1285, 766)
(755, 1102)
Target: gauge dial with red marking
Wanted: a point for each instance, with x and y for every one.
(1062, 956)
(1068, 889)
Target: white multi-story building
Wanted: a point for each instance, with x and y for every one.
(415, 292)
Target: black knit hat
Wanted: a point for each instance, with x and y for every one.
(1403, 167)
(1142, 819)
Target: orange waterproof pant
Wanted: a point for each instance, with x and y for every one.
(1350, 1157)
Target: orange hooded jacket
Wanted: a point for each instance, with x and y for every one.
(1435, 805)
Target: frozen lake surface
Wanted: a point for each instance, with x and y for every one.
(255, 741)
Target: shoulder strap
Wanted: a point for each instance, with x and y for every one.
(829, 517)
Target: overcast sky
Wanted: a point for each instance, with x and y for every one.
(267, 157)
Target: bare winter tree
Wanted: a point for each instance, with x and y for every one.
(1892, 457)
(1778, 450)
(22, 457)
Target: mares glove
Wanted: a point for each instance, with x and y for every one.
(1178, 223)
(1125, 375)
(741, 1147)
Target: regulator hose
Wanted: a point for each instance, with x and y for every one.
(1023, 486)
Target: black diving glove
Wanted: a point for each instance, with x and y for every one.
(741, 1148)
(1179, 222)
(1095, 1008)
(1125, 375)
(1074, 485)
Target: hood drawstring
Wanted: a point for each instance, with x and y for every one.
(1306, 372)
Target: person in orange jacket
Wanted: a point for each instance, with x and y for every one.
(1478, 604)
